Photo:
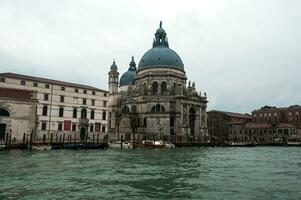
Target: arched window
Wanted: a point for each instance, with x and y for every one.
(125, 110)
(4, 113)
(163, 88)
(74, 113)
(44, 112)
(155, 88)
(157, 108)
(83, 113)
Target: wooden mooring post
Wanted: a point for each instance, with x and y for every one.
(121, 142)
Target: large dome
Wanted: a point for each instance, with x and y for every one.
(160, 55)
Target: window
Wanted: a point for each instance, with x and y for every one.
(44, 112)
(92, 114)
(62, 98)
(2, 79)
(93, 102)
(93, 92)
(35, 84)
(163, 88)
(158, 108)
(125, 110)
(83, 114)
(63, 88)
(104, 104)
(46, 86)
(91, 127)
(60, 127)
(144, 122)
(103, 129)
(84, 101)
(73, 127)
(74, 113)
(104, 115)
(61, 112)
(44, 124)
(155, 88)
(46, 97)
(76, 90)
(105, 94)
(85, 91)
(22, 82)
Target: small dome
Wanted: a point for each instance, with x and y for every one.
(128, 77)
(114, 66)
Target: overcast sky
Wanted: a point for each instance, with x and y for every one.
(244, 53)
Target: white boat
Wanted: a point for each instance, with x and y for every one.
(41, 147)
(154, 144)
(117, 144)
(37, 145)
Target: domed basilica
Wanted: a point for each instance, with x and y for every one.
(154, 101)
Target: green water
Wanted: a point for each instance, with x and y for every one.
(182, 173)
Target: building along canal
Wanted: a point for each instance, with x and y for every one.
(181, 173)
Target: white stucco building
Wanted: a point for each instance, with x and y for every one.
(62, 107)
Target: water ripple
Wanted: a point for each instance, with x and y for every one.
(184, 173)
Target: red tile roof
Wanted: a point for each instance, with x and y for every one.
(232, 114)
(49, 81)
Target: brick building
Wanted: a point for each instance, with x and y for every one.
(273, 125)
(227, 127)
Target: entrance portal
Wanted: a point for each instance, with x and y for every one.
(2, 131)
(82, 133)
(191, 120)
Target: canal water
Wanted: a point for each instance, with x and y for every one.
(181, 173)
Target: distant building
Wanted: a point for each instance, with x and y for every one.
(273, 125)
(17, 113)
(154, 100)
(227, 127)
(267, 125)
(62, 108)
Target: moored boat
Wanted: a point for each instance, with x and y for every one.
(154, 144)
(2, 146)
(251, 144)
(39, 145)
(118, 144)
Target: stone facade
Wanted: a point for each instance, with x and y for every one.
(154, 102)
(17, 113)
(63, 108)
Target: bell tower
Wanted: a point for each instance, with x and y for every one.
(113, 79)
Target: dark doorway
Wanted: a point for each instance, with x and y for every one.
(191, 120)
(82, 133)
(2, 131)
